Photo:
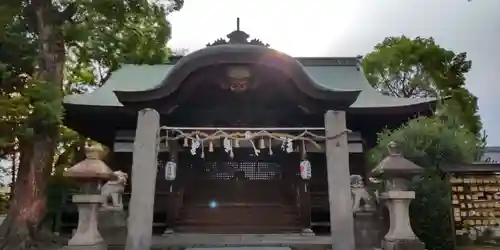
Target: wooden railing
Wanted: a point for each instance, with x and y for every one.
(304, 203)
(320, 206)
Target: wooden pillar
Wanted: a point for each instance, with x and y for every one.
(305, 206)
(339, 188)
(141, 206)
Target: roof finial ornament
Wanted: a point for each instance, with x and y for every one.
(238, 37)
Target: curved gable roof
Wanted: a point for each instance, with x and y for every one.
(328, 73)
(240, 54)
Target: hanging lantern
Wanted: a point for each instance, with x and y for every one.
(262, 143)
(170, 171)
(236, 143)
(305, 170)
(186, 142)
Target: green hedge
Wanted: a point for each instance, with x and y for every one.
(430, 143)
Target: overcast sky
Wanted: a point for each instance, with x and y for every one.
(353, 27)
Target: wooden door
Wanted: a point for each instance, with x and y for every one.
(238, 196)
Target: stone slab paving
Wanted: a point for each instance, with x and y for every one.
(215, 240)
(238, 248)
(193, 241)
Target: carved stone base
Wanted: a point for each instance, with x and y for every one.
(367, 230)
(86, 234)
(101, 246)
(112, 224)
(403, 245)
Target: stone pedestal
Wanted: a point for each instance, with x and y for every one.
(113, 224)
(86, 235)
(397, 172)
(398, 203)
(400, 235)
(367, 230)
(403, 245)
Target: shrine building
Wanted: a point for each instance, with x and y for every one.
(238, 118)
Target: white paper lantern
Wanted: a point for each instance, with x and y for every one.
(170, 171)
(305, 170)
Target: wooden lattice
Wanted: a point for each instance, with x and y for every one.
(250, 170)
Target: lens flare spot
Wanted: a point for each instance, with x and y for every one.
(212, 204)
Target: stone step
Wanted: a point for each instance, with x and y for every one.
(238, 229)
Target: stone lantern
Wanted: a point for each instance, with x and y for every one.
(89, 173)
(397, 173)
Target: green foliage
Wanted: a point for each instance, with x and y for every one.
(57, 190)
(98, 36)
(430, 212)
(96, 46)
(404, 67)
(430, 143)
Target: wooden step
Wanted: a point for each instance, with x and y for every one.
(241, 222)
(235, 214)
(238, 198)
(238, 215)
(232, 213)
(234, 217)
(243, 208)
(241, 204)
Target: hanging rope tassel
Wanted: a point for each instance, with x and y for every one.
(166, 140)
(270, 146)
(202, 150)
(210, 147)
(248, 135)
(304, 152)
(262, 143)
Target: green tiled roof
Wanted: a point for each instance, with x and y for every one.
(144, 77)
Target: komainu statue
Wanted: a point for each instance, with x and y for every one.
(114, 190)
(359, 193)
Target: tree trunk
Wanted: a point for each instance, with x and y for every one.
(13, 173)
(22, 227)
